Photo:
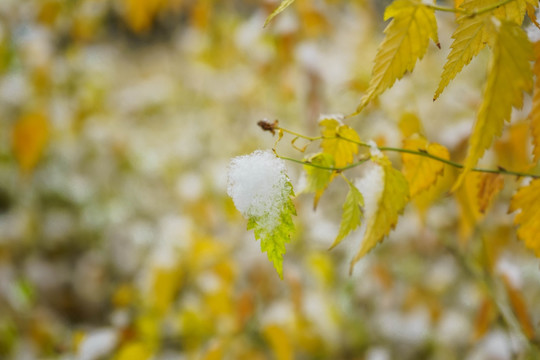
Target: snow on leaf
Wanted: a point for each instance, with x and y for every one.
(489, 186)
(30, 136)
(391, 203)
(317, 178)
(262, 191)
(474, 33)
(273, 239)
(422, 172)
(509, 76)
(352, 213)
(342, 150)
(527, 199)
(284, 4)
(406, 40)
(535, 112)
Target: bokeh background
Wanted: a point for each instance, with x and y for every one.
(117, 239)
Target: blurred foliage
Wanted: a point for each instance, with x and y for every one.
(117, 239)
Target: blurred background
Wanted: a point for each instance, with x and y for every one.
(118, 119)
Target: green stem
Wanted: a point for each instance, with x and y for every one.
(338, 169)
(446, 161)
(400, 150)
(446, 9)
(490, 8)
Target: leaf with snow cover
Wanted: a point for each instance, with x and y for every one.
(334, 134)
(392, 201)
(406, 41)
(262, 191)
(273, 239)
(527, 199)
(284, 4)
(318, 178)
(352, 213)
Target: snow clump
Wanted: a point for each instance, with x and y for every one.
(257, 183)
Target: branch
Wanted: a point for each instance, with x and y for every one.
(393, 149)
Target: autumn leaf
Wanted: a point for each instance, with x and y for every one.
(279, 342)
(352, 213)
(488, 187)
(284, 4)
(535, 112)
(409, 124)
(333, 143)
(467, 199)
(392, 201)
(519, 306)
(422, 172)
(406, 40)
(528, 219)
(512, 149)
(474, 33)
(509, 76)
(317, 179)
(273, 239)
(30, 136)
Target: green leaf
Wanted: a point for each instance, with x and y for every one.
(273, 239)
(352, 213)
(317, 177)
(284, 4)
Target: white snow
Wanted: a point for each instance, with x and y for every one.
(97, 344)
(257, 185)
(371, 186)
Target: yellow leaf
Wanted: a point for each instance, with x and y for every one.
(535, 112)
(474, 32)
(425, 199)
(527, 199)
(318, 179)
(488, 187)
(406, 40)
(531, 12)
(466, 196)
(165, 285)
(352, 213)
(30, 136)
(333, 142)
(457, 3)
(422, 172)
(284, 4)
(133, 351)
(139, 14)
(484, 318)
(520, 307)
(512, 149)
(392, 201)
(410, 124)
(279, 341)
(509, 76)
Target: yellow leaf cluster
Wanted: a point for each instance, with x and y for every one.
(422, 172)
(475, 32)
(340, 141)
(509, 76)
(406, 40)
(527, 200)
